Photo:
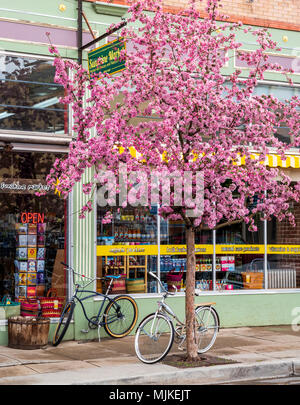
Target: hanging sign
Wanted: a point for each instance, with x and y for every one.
(106, 58)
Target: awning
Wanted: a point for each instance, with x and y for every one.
(290, 161)
(272, 160)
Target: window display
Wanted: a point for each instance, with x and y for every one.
(128, 227)
(240, 254)
(32, 232)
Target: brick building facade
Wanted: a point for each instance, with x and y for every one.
(282, 14)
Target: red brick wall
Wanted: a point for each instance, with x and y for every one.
(282, 14)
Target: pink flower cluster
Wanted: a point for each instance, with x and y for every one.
(179, 111)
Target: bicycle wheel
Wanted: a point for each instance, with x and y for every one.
(154, 338)
(207, 322)
(63, 323)
(120, 316)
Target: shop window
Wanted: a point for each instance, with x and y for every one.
(29, 98)
(173, 233)
(240, 258)
(132, 226)
(239, 234)
(122, 248)
(32, 231)
(284, 252)
(129, 246)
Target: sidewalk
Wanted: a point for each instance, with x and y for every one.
(260, 352)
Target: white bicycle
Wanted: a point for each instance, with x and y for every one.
(156, 333)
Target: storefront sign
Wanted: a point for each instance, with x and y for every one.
(148, 250)
(32, 218)
(240, 249)
(22, 186)
(181, 249)
(106, 58)
(284, 249)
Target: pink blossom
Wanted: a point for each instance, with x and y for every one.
(197, 119)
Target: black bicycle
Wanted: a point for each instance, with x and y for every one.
(118, 318)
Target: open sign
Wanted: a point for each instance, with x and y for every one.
(32, 217)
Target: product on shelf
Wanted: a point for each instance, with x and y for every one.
(30, 261)
(227, 263)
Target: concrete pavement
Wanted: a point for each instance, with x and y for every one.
(259, 352)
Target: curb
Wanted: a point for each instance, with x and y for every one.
(210, 375)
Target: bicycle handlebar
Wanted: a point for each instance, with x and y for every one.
(101, 278)
(81, 275)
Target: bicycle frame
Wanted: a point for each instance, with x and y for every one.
(92, 294)
(164, 309)
(79, 289)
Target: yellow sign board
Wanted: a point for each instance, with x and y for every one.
(152, 250)
(240, 249)
(181, 249)
(283, 249)
(127, 250)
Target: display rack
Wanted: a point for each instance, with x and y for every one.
(137, 267)
(30, 261)
(130, 267)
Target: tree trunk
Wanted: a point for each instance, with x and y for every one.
(190, 295)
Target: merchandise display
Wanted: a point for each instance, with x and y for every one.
(29, 272)
(32, 229)
(141, 230)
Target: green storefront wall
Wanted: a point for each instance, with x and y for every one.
(235, 310)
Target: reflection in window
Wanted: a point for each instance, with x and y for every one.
(283, 93)
(29, 98)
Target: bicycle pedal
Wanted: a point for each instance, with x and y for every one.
(84, 331)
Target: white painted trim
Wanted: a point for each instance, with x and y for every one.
(212, 293)
(102, 3)
(57, 17)
(20, 41)
(266, 53)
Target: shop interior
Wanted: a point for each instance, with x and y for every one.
(234, 271)
(32, 229)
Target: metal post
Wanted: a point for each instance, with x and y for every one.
(88, 24)
(79, 31)
(214, 260)
(70, 244)
(266, 252)
(158, 248)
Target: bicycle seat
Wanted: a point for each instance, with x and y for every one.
(111, 276)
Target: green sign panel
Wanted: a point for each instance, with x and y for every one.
(106, 58)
